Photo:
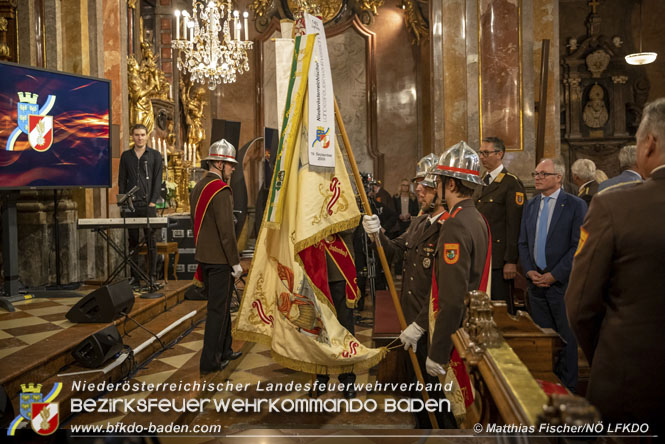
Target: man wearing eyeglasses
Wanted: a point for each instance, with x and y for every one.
(501, 201)
(549, 233)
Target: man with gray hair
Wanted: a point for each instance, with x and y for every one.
(584, 176)
(629, 175)
(549, 234)
(615, 298)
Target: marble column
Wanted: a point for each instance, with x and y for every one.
(454, 73)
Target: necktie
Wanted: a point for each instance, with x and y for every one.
(487, 178)
(541, 235)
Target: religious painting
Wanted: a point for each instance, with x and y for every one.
(500, 71)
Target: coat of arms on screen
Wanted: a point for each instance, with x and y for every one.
(33, 121)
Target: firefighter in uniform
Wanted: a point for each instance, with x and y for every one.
(211, 204)
(418, 244)
(501, 201)
(463, 261)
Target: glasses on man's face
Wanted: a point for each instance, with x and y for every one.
(487, 153)
(541, 174)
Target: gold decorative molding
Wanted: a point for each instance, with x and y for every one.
(370, 6)
(261, 8)
(415, 22)
(326, 9)
(193, 99)
(5, 52)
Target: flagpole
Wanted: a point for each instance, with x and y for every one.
(382, 257)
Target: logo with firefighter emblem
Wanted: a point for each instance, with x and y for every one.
(33, 121)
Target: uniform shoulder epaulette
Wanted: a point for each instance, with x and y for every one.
(619, 185)
(499, 178)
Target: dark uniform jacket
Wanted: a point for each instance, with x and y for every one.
(587, 191)
(419, 245)
(616, 304)
(216, 243)
(502, 202)
(460, 262)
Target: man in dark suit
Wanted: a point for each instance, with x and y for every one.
(549, 234)
(584, 176)
(615, 298)
(211, 206)
(629, 175)
(501, 201)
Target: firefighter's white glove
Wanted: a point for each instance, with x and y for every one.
(237, 271)
(434, 369)
(371, 224)
(411, 335)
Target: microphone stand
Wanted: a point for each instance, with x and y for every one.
(152, 287)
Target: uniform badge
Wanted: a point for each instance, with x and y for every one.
(451, 253)
(427, 262)
(584, 234)
(519, 198)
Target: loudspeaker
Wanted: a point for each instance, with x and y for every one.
(103, 305)
(98, 348)
(226, 129)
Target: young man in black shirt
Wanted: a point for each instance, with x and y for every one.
(142, 167)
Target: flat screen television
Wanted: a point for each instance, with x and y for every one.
(54, 129)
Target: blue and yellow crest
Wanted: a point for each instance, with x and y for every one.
(29, 394)
(28, 107)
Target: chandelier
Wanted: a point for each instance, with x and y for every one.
(204, 45)
(641, 58)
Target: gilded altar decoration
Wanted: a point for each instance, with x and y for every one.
(595, 113)
(415, 22)
(326, 9)
(370, 5)
(260, 8)
(146, 82)
(4, 48)
(193, 98)
(140, 106)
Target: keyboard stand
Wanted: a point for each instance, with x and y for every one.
(126, 257)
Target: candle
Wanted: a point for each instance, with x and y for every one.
(236, 20)
(193, 155)
(153, 141)
(177, 24)
(171, 92)
(245, 14)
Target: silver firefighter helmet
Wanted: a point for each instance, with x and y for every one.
(222, 150)
(425, 165)
(460, 161)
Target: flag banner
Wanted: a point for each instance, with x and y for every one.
(283, 306)
(293, 110)
(283, 58)
(321, 131)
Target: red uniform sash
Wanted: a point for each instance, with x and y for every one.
(456, 363)
(209, 191)
(341, 256)
(314, 262)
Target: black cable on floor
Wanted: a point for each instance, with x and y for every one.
(139, 324)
